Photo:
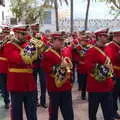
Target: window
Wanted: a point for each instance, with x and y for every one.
(2, 15)
(13, 21)
(47, 17)
(2, 2)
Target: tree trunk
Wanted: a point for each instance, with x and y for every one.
(87, 14)
(71, 16)
(56, 15)
(18, 19)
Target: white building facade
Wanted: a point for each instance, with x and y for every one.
(5, 13)
(49, 22)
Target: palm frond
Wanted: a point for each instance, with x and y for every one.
(51, 2)
(66, 1)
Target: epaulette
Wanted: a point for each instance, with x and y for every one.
(48, 49)
(90, 46)
(108, 43)
(98, 49)
(15, 44)
(9, 42)
(53, 51)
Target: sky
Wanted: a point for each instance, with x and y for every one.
(98, 10)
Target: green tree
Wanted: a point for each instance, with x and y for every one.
(114, 3)
(25, 9)
(17, 9)
(32, 14)
(115, 7)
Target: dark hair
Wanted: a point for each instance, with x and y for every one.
(110, 37)
(63, 33)
(58, 38)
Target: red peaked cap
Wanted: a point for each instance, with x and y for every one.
(6, 30)
(34, 26)
(102, 32)
(115, 32)
(19, 30)
(57, 36)
(74, 35)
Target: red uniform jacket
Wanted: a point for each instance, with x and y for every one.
(20, 75)
(92, 41)
(44, 39)
(94, 56)
(112, 49)
(67, 51)
(3, 63)
(79, 60)
(50, 59)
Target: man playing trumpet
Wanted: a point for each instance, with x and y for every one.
(58, 72)
(99, 79)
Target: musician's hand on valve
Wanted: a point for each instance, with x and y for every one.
(64, 63)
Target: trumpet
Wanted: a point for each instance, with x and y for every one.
(63, 72)
(31, 52)
(40, 45)
(67, 64)
(109, 65)
(103, 71)
(5, 40)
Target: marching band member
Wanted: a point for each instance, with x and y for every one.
(21, 83)
(4, 67)
(75, 44)
(58, 73)
(34, 29)
(81, 71)
(79, 51)
(112, 49)
(38, 71)
(45, 38)
(99, 79)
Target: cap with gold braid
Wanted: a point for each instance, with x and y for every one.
(20, 28)
(115, 32)
(6, 30)
(102, 31)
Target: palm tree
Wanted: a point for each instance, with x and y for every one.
(56, 15)
(87, 14)
(116, 3)
(115, 7)
(55, 3)
(71, 16)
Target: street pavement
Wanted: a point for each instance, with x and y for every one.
(80, 109)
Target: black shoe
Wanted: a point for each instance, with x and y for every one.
(44, 105)
(6, 106)
(117, 116)
(38, 104)
(79, 89)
